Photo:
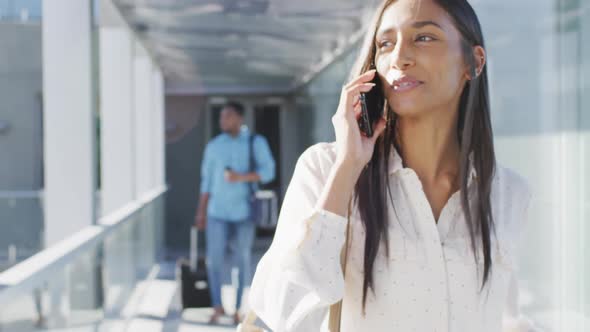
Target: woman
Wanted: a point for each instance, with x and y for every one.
(433, 219)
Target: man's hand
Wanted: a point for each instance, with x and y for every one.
(200, 222)
(231, 176)
(201, 214)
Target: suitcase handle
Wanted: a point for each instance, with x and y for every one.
(194, 249)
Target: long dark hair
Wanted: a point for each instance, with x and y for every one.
(474, 135)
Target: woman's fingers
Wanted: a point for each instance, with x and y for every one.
(378, 129)
(356, 99)
(352, 146)
(351, 91)
(357, 111)
(350, 94)
(363, 78)
(356, 90)
(355, 115)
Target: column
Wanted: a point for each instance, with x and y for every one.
(116, 109)
(69, 133)
(143, 84)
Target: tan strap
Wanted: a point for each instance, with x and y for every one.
(335, 315)
(249, 323)
(250, 317)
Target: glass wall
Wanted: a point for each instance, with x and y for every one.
(20, 10)
(539, 66)
(21, 138)
(21, 127)
(49, 159)
(92, 291)
(316, 102)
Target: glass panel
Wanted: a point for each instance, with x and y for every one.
(20, 10)
(21, 221)
(541, 132)
(21, 140)
(98, 284)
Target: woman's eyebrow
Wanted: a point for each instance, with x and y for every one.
(415, 25)
(422, 24)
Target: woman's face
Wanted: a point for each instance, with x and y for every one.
(419, 58)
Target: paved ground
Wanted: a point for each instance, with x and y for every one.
(195, 320)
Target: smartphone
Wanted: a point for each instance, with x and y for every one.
(372, 104)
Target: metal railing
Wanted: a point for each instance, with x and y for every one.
(87, 276)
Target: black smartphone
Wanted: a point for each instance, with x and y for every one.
(372, 104)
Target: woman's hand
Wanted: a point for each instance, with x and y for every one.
(354, 148)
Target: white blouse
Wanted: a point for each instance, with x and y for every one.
(428, 282)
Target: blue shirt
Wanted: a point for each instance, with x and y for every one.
(230, 201)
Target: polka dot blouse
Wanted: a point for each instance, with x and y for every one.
(428, 281)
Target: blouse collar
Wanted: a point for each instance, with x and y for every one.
(396, 164)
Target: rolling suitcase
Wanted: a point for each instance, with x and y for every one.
(194, 286)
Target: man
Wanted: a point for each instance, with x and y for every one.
(224, 206)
